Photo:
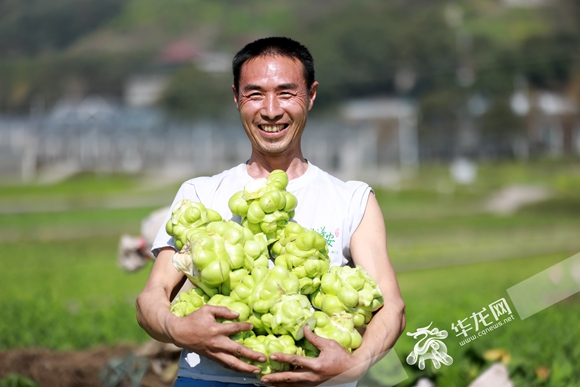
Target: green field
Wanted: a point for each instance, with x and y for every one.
(61, 287)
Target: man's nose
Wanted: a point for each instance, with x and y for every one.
(272, 109)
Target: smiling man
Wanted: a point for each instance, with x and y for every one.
(274, 89)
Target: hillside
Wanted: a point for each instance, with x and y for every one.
(422, 49)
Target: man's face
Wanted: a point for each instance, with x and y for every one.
(273, 101)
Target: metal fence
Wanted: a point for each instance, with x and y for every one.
(44, 149)
(374, 140)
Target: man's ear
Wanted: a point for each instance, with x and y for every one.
(312, 94)
(235, 95)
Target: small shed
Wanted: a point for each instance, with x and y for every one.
(393, 123)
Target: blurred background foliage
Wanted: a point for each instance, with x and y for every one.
(435, 52)
(452, 254)
(62, 288)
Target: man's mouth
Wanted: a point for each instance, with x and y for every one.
(272, 128)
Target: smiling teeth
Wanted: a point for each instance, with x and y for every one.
(272, 128)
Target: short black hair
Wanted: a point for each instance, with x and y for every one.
(274, 46)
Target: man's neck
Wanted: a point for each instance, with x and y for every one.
(260, 167)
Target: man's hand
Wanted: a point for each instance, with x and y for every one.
(200, 331)
(330, 364)
(368, 249)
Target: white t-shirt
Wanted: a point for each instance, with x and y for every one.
(325, 204)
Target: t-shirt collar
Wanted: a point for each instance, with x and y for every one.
(294, 184)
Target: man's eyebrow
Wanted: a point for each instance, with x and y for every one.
(287, 86)
(251, 87)
(282, 86)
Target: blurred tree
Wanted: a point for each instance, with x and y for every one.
(565, 17)
(29, 27)
(360, 47)
(547, 61)
(46, 78)
(445, 56)
(196, 94)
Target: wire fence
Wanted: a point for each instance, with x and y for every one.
(38, 149)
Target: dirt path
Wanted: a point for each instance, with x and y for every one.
(79, 368)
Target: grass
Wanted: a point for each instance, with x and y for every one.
(420, 243)
(85, 191)
(66, 225)
(454, 259)
(81, 185)
(61, 288)
(80, 268)
(65, 295)
(445, 295)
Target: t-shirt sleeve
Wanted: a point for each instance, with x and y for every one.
(186, 191)
(358, 203)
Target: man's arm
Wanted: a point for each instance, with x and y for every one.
(199, 331)
(368, 249)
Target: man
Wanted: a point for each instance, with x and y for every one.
(274, 88)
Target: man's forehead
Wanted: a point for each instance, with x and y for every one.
(267, 66)
(261, 60)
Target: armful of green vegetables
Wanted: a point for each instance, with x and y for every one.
(230, 265)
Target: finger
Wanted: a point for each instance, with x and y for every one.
(235, 364)
(322, 343)
(239, 350)
(231, 328)
(294, 360)
(247, 353)
(314, 339)
(227, 347)
(221, 312)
